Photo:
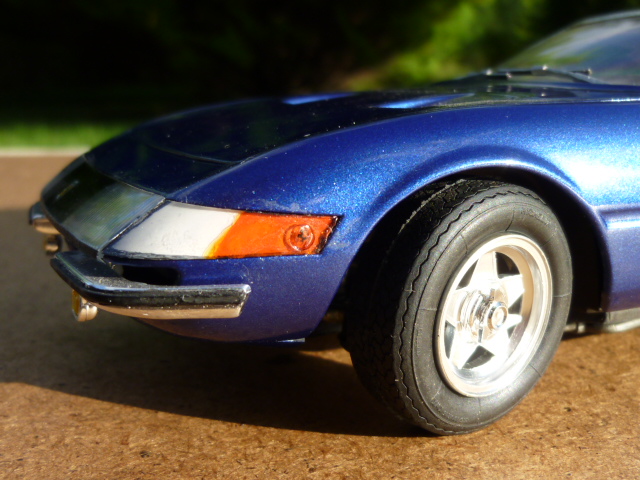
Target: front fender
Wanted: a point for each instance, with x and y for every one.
(362, 173)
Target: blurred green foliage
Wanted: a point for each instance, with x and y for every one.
(112, 61)
(55, 135)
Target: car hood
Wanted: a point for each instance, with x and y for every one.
(172, 153)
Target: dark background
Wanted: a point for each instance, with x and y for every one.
(112, 60)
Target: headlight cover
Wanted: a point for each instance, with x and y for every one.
(183, 231)
(92, 207)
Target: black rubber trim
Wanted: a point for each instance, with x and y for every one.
(98, 283)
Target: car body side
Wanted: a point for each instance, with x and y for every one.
(581, 155)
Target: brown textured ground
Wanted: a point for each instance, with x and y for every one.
(114, 399)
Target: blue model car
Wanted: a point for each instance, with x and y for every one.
(458, 226)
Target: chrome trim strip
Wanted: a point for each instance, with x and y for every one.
(620, 327)
(175, 314)
(606, 322)
(620, 321)
(102, 286)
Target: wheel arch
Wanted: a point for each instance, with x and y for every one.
(591, 275)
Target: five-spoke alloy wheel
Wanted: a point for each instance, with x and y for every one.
(467, 308)
(493, 316)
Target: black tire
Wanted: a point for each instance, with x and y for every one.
(412, 358)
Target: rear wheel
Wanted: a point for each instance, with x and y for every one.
(467, 309)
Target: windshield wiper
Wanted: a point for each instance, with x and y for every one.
(579, 75)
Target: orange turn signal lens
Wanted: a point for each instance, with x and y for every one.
(263, 235)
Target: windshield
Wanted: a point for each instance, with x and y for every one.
(609, 49)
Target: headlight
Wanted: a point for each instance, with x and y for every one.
(178, 230)
(94, 208)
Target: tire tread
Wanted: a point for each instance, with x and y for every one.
(372, 336)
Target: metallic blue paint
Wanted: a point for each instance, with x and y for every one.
(584, 139)
(289, 295)
(589, 149)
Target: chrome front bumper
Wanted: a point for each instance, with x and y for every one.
(100, 286)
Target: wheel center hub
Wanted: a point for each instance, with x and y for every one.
(480, 311)
(496, 314)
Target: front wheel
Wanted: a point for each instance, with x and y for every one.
(467, 309)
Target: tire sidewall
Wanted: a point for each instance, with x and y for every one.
(445, 253)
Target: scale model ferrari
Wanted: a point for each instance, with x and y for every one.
(458, 225)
